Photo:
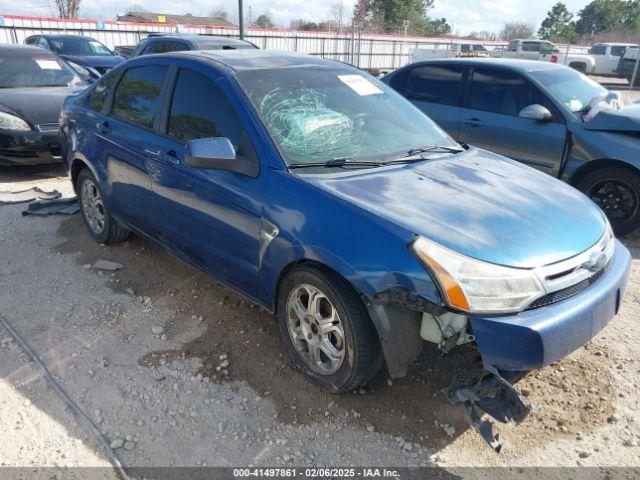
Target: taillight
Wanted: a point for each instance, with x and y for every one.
(554, 59)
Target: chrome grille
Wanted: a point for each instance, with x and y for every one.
(568, 292)
(49, 127)
(569, 277)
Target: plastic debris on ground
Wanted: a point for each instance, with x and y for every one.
(29, 195)
(61, 206)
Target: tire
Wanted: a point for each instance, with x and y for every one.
(353, 335)
(616, 191)
(580, 67)
(95, 213)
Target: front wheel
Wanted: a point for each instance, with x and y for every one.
(617, 192)
(327, 330)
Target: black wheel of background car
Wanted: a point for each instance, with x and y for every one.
(95, 213)
(327, 330)
(581, 67)
(617, 192)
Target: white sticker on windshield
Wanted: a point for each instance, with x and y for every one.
(360, 84)
(48, 64)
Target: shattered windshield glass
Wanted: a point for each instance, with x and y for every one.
(319, 114)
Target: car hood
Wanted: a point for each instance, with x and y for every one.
(35, 105)
(95, 61)
(627, 119)
(478, 204)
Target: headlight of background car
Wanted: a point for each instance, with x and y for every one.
(11, 122)
(475, 286)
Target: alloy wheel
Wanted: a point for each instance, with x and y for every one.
(92, 206)
(315, 329)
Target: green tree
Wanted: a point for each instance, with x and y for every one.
(390, 16)
(264, 21)
(559, 26)
(605, 15)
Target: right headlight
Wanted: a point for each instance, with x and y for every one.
(475, 286)
(11, 122)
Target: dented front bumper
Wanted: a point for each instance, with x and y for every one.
(538, 337)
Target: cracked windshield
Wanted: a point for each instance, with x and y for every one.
(316, 115)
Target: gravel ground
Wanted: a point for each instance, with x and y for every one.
(179, 370)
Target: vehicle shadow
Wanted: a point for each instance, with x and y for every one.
(31, 173)
(632, 242)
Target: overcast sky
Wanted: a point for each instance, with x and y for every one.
(466, 15)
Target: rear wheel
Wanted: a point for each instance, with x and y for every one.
(95, 213)
(327, 330)
(617, 192)
(581, 67)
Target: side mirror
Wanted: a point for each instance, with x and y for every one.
(217, 153)
(536, 112)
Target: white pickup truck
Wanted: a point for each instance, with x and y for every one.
(546, 52)
(602, 58)
(607, 57)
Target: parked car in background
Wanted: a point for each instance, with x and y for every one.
(448, 51)
(545, 51)
(165, 43)
(33, 85)
(534, 112)
(321, 194)
(607, 57)
(627, 65)
(93, 58)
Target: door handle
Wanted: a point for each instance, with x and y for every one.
(171, 156)
(473, 122)
(103, 127)
(152, 153)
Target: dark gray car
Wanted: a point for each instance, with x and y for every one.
(533, 112)
(161, 43)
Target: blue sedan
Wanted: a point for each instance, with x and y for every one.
(324, 196)
(535, 113)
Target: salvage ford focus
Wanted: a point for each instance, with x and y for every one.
(324, 196)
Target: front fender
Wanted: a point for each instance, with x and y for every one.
(590, 145)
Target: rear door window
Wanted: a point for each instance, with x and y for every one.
(137, 97)
(618, 51)
(530, 46)
(436, 84)
(502, 92)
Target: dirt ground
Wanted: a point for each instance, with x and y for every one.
(179, 370)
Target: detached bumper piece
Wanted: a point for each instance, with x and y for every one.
(478, 391)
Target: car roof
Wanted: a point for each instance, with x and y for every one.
(200, 39)
(257, 59)
(44, 35)
(17, 51)
(615, 44)
(512, 63)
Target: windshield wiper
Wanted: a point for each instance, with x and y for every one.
(428, 148)
(339, 162)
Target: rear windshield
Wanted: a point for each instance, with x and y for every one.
(38, 71)
(78, 46)
(319, 114)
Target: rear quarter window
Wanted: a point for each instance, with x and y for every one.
(100, 92)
